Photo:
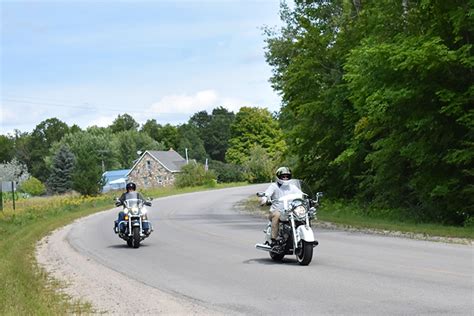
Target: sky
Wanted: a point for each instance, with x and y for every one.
(86, 62)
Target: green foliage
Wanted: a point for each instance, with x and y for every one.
(190, 140)
(90, 149)
(127, 143)
(194, 174)
(167, 134)
(43, 136)
(124, 122)
(214, 130)
(60, 179)
(226, 172)
(33, 187)
(377, 102)
(259, 167)
(251, 127)
(7, 144)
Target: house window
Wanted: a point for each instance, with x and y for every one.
(159, 179)
(148, 165)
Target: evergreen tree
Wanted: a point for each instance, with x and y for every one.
(60, 179)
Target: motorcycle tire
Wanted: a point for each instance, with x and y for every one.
(129, 242)
(305, 254)
(136, 237)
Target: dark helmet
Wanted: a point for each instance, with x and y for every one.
(283, 175)
(131, 186)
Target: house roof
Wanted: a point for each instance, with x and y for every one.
(112, 175)
(170, 159)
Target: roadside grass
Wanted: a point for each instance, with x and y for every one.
(353, 216)
(26, 289)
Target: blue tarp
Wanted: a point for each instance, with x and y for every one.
(115, 179)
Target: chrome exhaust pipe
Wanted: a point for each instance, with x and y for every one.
(263, 247)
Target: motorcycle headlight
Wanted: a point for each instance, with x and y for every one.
(300, 211)
(134, 210)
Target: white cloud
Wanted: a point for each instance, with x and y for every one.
(102, 121)
(189, 104)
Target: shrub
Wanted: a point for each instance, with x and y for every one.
(227, 172)
(33, 187)
(194, 174)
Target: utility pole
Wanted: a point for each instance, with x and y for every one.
(101, 153)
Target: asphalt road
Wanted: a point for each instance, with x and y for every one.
(202, 249)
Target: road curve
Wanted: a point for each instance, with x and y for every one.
(202, 251)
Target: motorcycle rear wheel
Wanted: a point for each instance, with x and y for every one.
(305, 254)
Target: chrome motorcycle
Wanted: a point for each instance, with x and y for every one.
(134, 225)
(295, 234)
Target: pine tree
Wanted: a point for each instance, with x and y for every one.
(60, 180)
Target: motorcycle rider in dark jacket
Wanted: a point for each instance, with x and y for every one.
(130, 194)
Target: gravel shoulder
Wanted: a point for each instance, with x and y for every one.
(107, 290)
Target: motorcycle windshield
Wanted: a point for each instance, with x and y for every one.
(133, 204)
(294, 192)
(296, 183)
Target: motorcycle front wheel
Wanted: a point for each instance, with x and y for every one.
(136, 237)
(304, 255)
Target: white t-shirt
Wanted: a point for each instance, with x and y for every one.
(275, 192)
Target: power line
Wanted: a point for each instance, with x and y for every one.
(86, 107)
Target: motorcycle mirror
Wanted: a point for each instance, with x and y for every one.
(260, 194)
(319, 194)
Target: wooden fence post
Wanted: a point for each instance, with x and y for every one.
(13, 194)
(1, 196)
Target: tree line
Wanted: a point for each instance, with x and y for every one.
(65, 158)
(377, 102)
(376, 108)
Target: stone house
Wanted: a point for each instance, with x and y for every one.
(156, 169)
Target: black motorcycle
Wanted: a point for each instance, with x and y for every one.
(134, 226)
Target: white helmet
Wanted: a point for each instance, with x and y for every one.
(283, 176)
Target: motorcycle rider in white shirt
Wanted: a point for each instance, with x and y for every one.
(283, 186)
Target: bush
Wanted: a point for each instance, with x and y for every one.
(33, 187)
(259, 165)
(194, 174)
(227, 172)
